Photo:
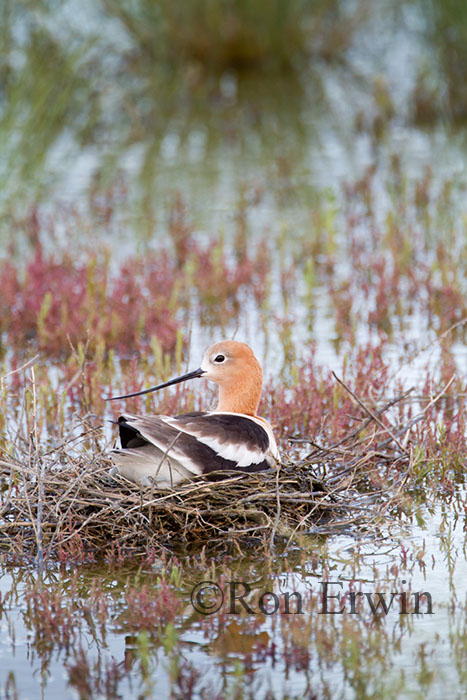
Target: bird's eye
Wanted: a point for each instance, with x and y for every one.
(219, 358)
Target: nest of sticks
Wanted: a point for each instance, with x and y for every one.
(82, 510)
(55, 506)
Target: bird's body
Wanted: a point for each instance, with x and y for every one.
(167, 450)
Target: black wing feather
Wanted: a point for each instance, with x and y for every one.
(131, 437)
(224, 425)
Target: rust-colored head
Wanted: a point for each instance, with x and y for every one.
(234, 367)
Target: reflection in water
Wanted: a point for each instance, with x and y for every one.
(125, 631)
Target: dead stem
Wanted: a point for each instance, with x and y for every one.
(38, 464)
(370, 413)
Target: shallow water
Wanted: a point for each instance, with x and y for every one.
(294, 160)
(355, 654)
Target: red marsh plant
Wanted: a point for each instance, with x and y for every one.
(219, 279)
(58, 300)
(441, 438)
(406, 257)
(316, 405)
(52, 617)
(92, 678)
(150, 608)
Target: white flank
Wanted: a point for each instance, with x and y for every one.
(145, 466)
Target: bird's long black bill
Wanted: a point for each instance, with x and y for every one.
(190, 375)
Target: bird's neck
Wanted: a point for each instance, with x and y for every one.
(242, 398)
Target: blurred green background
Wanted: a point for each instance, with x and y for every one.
(133, 100)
